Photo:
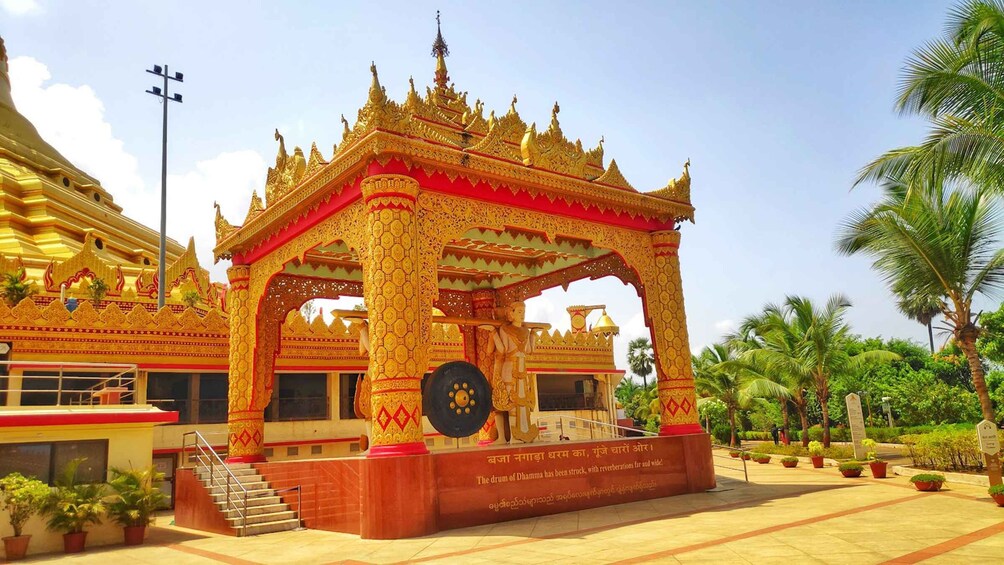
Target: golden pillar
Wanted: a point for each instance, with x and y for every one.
(483, 302)
(398, 358)
(245, 424)
(664, 304)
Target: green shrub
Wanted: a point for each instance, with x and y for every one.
(996, 489)
(136, 495)
(73, 505)
(945, 449)
(815, 448)
(927, 478)
(834, 452)
(789, 459)
(21, 497)
(850, 466)
(721, 434)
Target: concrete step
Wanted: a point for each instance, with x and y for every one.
(269, 527)
(282, 515)
(235, 488)
(204, 471)
(255, 510)
(256, 498)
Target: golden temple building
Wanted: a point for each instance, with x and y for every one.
(440, 215)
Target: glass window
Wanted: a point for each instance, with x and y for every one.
(347, 395)
(213, 398)
(44, 461)
(171, 392)
(299, 396)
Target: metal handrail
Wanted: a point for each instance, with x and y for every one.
(561, 427)
(714, 446)
(212, 459)
(85, 396)
(298, 489)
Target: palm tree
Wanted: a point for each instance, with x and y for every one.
(922, 308)
(717, 376)
(955, 81)
(641, 358)
(806, 343)
(15, 287)
(764, 381)
(938, 242)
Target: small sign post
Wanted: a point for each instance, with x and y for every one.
(986, 434)
(856, 419)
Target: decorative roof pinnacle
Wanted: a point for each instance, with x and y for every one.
(440, 51)
(3, 51)
(512, 107)
(345, 127)
(376, 91)
(555, 126)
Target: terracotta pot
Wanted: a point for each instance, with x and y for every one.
(850, 474)
(15, 547)
(931, 486)
(878, 468)
(763, 461)
(817, 461)
(746, 456)
(134, 534)
(74, 543)
(734, 455)
(998, 498)
(790, 464)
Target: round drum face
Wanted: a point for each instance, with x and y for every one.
(457, 399)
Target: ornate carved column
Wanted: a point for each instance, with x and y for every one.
(668, 322)
(484, 307)
(398, 357)
(245, 424)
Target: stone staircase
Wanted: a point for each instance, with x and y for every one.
(266, 513)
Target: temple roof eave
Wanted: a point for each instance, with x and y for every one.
(382, 146)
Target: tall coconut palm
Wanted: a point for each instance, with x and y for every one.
(641, 359)
(717, 376)
(937, 242)
(764, 379)
(957, 81)
(922, 308)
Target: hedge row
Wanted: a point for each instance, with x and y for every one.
(881, 435)
(945, 450)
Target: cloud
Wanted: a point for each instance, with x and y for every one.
(72, 119)
(21, 7)
(725, 326)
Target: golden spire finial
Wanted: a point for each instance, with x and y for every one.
(440, 51)
(3, 51)
(345, 126)
(512, 107)
(554, 117)
(376, 91)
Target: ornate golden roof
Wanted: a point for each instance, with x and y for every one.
(442, 128)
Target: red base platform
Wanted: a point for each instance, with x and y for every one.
(409, 496)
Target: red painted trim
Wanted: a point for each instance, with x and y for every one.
(86, 418)
(460, 186)
(398, 449)
(350, 192)
(247, 459)
(681, 430)
(194, 367)
(576, 371)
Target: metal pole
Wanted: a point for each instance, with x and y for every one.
(161, 284)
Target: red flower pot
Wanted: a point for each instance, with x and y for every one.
(734, 455)
(878, 469)
(790, 464)
(851, 473)
(134, 534)
(16, 547)
(929, 486)
(998, 498)
(763, 461)
(74, 543)
(746, 456)
(817, 461)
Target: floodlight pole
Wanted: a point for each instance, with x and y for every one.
(162, 259)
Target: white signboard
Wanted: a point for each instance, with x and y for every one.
(856, 419)
(986, 434)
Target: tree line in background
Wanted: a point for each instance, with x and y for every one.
(934, 237)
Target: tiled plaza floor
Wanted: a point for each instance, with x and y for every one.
(789, 516)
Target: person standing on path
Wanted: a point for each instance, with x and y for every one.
(773, 433)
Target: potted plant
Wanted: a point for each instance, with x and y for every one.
(734, 453)
(746, 455)
(73, 505)
(790, 461)
(135, 499)
(20, 497)
(761, 458)
(877, 465)
(851, 469)
(997, 493)
(930, 482)
(816, 454)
